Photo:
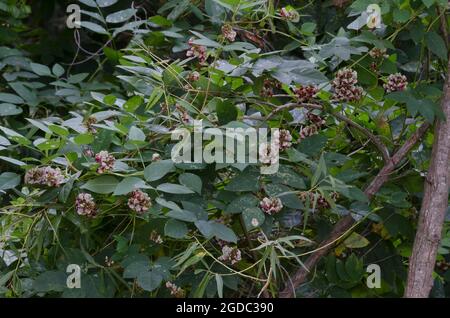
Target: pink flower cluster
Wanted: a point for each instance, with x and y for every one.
(139, 201)
(105, 160)
(396, 82)
(198, 51)
(228, 33)
(85, 205)
(271, 206)
(47, 176)
(344, 85)
(230, 254)
(305, 93)
(282, 139)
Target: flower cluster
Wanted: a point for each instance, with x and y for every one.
(108, 261)
(268, 87)
(396, 82)
(156, 157)
(377, 53)
(308, 131)
(156, 238)
(47, 176)
(228, 33)
(176, 291)
(344, 86)
(85, 205)
(282, 139)
(321, 202)
(89, 123)
(88, 152)
(271, 206)
(193, 76)
(198, 51)
(305, 93)
(230, 254)
(105, 160)
(139, 201)
(315, 119)
(290, 14)
(268, 153)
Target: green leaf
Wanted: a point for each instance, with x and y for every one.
(158, 169)
(39, 125)
(219, 283)
(109, 100)
(50, 281)
(94, 27)
(102, 185)
(160, 21)
(137, 267)
(175, 229)
(174, 188)
(241, 203)
(400, 15)
(149, 281)
(133, 103)
(58, 70)
(354, 268)
(9, 180)
(191, 181)
(40, 69)
(11, 98)
(182, 215)
(226, 112)
(84, 139)
(428, 3)
(224, 233)
(253, 218)
(356, 241)
(436, 44)
(67, 188)
(90, 3)
(205, 41)
(136, 134)
(205, 227)
(13, 161)
(7, 109)
(106, 3)
(129, 184)
(120, 16)
(245, 181)
(59, 130)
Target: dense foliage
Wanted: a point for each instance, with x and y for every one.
(86, 116)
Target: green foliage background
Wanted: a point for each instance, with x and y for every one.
(127, 71)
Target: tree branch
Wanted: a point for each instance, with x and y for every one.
(347, 222)
(434, 207)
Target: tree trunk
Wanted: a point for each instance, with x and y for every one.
(434, 207)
